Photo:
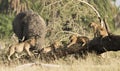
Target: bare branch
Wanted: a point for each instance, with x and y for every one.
(69, 32)
(102, 22)
(91, 7)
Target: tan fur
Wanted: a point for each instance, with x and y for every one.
(73, 40)
(83, 39)
(103, 32)
(98, 30)
(78, 39)
(55, 45)
(95, 28)
(19, 47)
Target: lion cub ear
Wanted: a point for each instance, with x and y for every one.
(102, 29)
(28, 41)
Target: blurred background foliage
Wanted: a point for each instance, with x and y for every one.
(60, 15)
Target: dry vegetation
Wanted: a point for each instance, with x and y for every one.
(62, 16)
(108, 62)
(91, 63)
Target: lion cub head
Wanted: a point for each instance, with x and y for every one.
(52, 47)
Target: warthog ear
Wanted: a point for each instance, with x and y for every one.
(102, 23)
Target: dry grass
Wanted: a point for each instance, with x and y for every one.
(90, 63)
(56, 24)
(108, 62)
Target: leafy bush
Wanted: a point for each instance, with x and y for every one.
(5, 25)
(62, 14)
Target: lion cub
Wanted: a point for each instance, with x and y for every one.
(19, 47)
(98, 30)
(53, 46)
(78, 39)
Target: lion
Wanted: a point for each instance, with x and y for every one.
(95, 28)
(103, 32)
(98, 30)
(53, 46)
(73, 40)
(19, 47)
(78, 39)
(83, 39)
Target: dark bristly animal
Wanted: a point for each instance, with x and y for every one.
(29, 24)
(108, 43)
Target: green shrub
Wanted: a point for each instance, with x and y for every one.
(5, 25)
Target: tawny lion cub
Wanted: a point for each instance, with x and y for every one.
(19, 47)
(78, 39)
(95, 28)
(98, 30)
(53, 46)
